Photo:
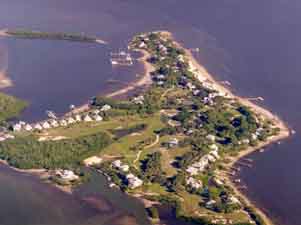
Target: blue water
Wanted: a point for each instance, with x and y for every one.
(253, 44)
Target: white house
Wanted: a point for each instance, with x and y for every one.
(54, 123)
(87, 118)
(67, 175)
(63, 123)
(194, 183)
(133, 181)
(46, 125)
(117, 164)
(124, 168)
(142, 44)
(70, 120)
(38, 127)
(17, 127)
(78, 118)
(98, 118)
(28, 127)
(105, 108)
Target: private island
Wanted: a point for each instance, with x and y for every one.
(176, 143)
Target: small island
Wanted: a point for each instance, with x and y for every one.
(29, 34)
(175, 144)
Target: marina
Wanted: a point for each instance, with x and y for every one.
(121, 59)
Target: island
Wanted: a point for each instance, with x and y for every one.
(30, 34)
(174, 144)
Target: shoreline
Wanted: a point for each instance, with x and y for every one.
(203, 74)
(41, 174)
(5, 81)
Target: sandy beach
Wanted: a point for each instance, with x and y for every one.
(4, 80)
(145, 80)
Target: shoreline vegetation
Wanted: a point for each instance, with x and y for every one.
(174, 144)
(29, 34)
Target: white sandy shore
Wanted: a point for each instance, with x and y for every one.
(5, 81)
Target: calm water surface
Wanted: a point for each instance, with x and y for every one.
(254, 44)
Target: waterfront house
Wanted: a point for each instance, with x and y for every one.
(78, 118)
(87, 118)
(117, 164)
(133, 181)
(28, 127)
(98, 118)
(120, 166)
(46, 125)
(142, 44)
(138, 100)
(67, 175)
(70, 120)
(38, 127)
(63, 123)
(105, 108)
(17, 127)
(54, 123)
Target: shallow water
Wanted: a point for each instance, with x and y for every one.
(253, 44)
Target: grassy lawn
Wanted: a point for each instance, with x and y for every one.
(123, 145)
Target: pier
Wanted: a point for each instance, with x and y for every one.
(256, 98)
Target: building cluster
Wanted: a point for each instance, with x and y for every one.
(117, 164)
(200, 166)
(54, 123)
(132, 180)
(194, 183)
(67, 175)
(139, 100)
